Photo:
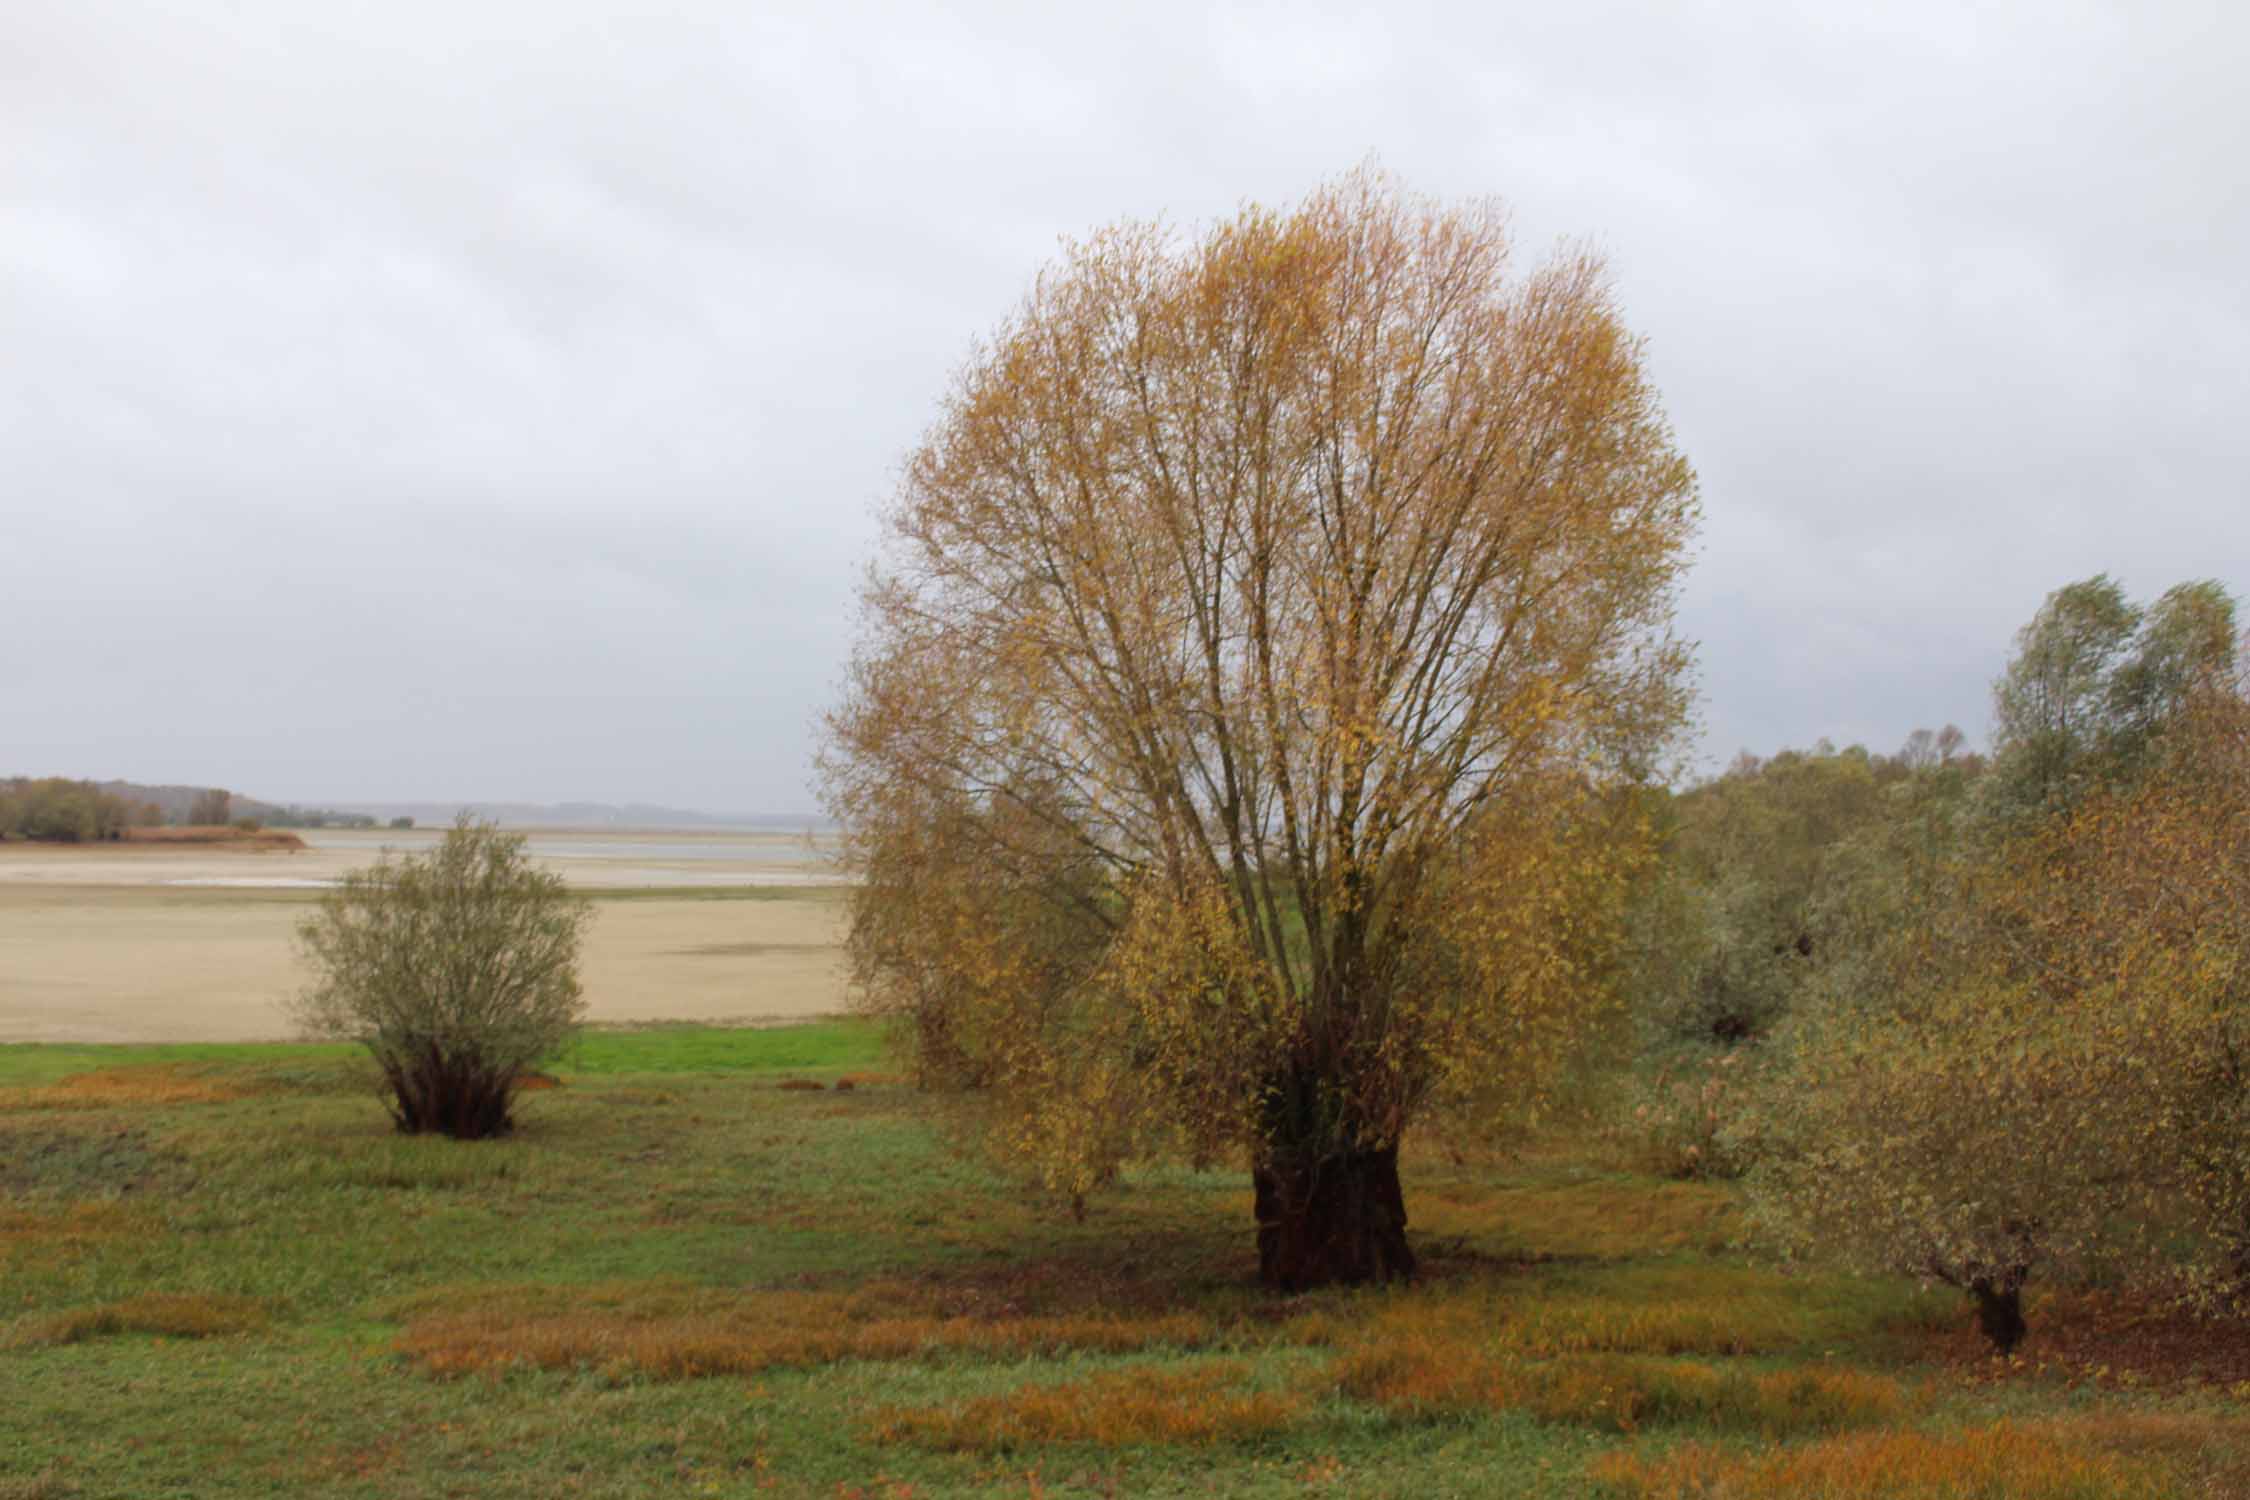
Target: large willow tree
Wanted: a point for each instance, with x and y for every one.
(1239, 751)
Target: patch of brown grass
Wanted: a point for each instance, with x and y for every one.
(668, 1332)
(2207, 1450)
(1676, 1309)
(1124, 1408)
(150, 1084)
(65, 1229)
(172, 1315)
(1428, 1378)
(2003, 1462)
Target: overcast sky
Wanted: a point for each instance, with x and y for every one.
(451, 401)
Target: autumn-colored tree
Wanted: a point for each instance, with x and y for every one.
(2131, 915)
(1233, 752)
(54, 809)
(2036, 1063)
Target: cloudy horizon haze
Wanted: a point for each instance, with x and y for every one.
(490, 402)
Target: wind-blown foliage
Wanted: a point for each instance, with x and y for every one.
(1233, 752)
(2029, 1057)
(2095, 680)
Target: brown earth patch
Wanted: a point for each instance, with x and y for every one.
(213, 837)
(2106, 1338)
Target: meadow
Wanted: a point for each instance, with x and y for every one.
(747, 1262)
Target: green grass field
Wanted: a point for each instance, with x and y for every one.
(222, 1274)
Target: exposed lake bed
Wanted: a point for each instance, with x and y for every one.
(106, 943)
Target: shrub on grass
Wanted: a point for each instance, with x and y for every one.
(456, 968)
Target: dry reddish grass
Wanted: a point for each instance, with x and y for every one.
(664, 1331)
(2210, 1452)
(1126, 1408)
(65, 1229)
(2003, 1462)
(121, 1088)
(1707, 1309)
(194, 1316)
(1435, 1378)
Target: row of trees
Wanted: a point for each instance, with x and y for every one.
(1977, 1021)
(56, 809)
(53, 809)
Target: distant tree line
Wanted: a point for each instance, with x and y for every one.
(57, 809)
(320, 817)
(54, 809)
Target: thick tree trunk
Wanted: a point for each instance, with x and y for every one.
(1339, 1220)
(2000, 1312)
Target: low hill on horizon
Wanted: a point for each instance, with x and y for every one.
(585, 815)
(175, 801)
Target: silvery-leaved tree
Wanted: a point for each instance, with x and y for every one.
(2037, 1065)
(1239, 748)
(457, 969)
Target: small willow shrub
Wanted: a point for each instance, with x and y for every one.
(456, 968)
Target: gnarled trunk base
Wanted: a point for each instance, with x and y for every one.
(2000, 1313)
(459, 1095)
(1340, 1220)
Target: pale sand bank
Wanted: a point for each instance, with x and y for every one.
(642, 861)
(164, 945)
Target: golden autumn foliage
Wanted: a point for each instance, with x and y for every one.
(1235, 753)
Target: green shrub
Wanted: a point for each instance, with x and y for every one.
(456, 968)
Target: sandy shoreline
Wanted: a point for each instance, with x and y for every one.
(604, 860)
(195, 944)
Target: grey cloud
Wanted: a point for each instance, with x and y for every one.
(421, 401)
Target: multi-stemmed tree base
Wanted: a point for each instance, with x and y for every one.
(1342, 1220)
(1999, 1312)
(461, 1094)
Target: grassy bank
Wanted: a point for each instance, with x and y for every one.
(693, 1272)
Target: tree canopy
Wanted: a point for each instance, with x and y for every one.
(1233, 754)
